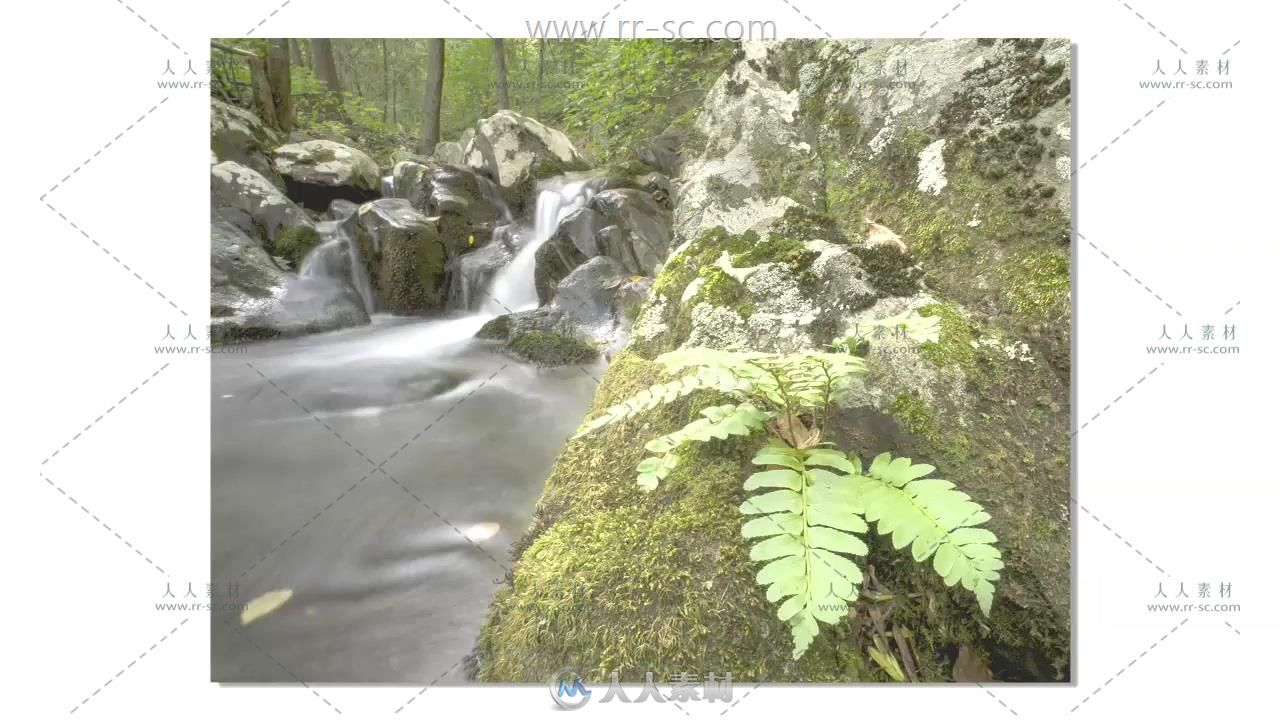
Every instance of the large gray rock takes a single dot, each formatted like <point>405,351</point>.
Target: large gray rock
<point>258,206</point>
<point>449,153</point>
<point>318,171</point>
<point>238,135</point>
<point>252,299</point>
<point>513,150</point>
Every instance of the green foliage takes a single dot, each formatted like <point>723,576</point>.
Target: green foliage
<point>812,500</point>
<point>630,90</point>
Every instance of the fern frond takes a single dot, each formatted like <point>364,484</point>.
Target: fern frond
<point>717,423</point>
<point>807,523</point>
<point>935,520</point>
<point>708,378</point>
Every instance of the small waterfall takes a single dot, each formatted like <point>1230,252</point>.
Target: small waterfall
<point>512,288</point>
<point>388,186</point>
<point>491,193</point>
<point>337,256</point>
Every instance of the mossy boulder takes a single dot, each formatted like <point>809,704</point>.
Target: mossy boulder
<point>549,348</point>
<point>778,257</point>
<point>403,255</point>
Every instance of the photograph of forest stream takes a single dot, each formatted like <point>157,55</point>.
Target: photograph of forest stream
<point>641,358</point>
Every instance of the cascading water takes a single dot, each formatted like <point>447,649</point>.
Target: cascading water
<point>513,289</point>
<point>338,257</point>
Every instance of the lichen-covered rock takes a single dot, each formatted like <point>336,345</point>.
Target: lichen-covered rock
<point>801,150</point>
<point>241,192</point>
<point>318,171</point>
<point>237,135</point>
<point>404,256</point>
<point>469,206</point>
<point>449,153</point>
<point>515,150</point>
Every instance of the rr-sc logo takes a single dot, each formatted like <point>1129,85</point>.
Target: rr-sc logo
<point>567,689</point>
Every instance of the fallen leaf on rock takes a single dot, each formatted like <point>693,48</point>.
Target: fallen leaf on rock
<point>970,667</point>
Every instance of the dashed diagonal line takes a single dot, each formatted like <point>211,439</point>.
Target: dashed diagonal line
<point>1118,399</point>
<point>116,258</point>
<point>1120,538</point>
<point>307,411</point>
<point>1233,47</point>
<point>993,697</point>
<point>1152,26</point>
<point>1131,276</point>
<point>102,149</point>
<point>105,413</point>
<point>375,467</point>
<point>744,697</point>
<point>945,15</point>
<point>1231,627</point>
<point>1126,131</point>
<point>307,524</point>
<point>442,416</point>
<point>809,19</point>
<point>282,6</point>
<point>1131,664</point>
<point>146,22</point>
<point>1233,307</point>
<point>612,9</point>
<point>105,526</point>
<point>467,18</point>
<point>280,665</point>
<point>128,667</point>
<point>426,687</point>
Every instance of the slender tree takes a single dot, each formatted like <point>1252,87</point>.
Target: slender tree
<point>326,69</point>
<point>278,80</point>
<point>295,52</point>
<point>386,93</point>
<point>537,93</point>
<point>432,96</point>
<point>500,73</point>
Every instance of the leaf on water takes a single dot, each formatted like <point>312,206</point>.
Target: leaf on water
<point>264,604</point>
<point>482,531</point>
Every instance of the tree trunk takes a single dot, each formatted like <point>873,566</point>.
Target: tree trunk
<point>537,93</point>
<point>432,96</point>
<point>500,73</point>
<point>281,86</point>
<point>295,52</point>
<point>386,90</point>
<point>326,68</point>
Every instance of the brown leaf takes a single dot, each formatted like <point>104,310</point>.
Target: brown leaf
<point>878,234</point>
<point>970,667</point>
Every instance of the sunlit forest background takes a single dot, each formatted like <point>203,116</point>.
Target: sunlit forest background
<point>375,92</point>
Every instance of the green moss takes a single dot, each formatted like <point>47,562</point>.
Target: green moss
<point>891,271</point>
<point>498,328</point>
<point>611,578</point>
<point>293,243</point>
<point>955,345</point>
<point>1037,283</point>
<point>549,349</point>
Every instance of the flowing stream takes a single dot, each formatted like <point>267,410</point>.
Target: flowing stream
<point>381,474</point>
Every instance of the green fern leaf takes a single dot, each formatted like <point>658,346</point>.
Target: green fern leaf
<point>804,530</point>
<point>935,520</point>
<point>709,378</point>
<point>717,423</point>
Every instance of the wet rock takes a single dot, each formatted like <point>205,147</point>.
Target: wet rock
<point>403,255</point>
<point>587,294</point>
<point>469,274</point>
<point>252,299</point>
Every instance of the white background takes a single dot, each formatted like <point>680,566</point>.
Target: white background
<point>1176,478</point>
